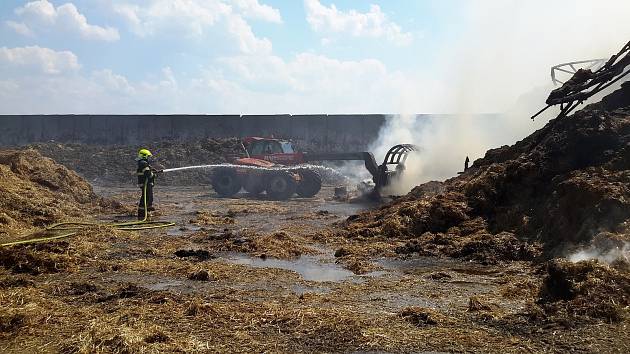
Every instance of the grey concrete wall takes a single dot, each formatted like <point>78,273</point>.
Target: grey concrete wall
<point>310,132</point>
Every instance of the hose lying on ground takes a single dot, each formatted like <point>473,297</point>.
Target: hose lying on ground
<point>67,229</point>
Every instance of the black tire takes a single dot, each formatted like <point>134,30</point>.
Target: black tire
<point>281,185</point>
<point>254,184</point>
<point>310,183</point>
<point>225,182</point>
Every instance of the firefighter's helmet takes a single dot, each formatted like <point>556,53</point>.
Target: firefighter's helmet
<point>144,154</point>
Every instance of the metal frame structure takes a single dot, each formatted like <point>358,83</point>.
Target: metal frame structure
<point>585,83</point>
<point>572,67</point>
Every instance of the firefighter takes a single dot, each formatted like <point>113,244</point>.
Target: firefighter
<point>146,179</point>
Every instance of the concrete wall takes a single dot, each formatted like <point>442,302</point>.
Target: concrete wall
<point>310,132</point>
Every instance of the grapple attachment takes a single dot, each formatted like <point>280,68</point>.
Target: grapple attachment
<point>397,156</point>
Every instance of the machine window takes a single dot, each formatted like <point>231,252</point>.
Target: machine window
<point>287,147</point>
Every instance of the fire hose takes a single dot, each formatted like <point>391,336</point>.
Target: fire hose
<point>67,229</point>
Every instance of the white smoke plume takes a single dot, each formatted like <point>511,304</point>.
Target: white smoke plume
<point>609,256</point>
<point>501,66</point>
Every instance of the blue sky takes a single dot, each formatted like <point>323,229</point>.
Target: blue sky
<point>285,56</point>
<point>425,20</point>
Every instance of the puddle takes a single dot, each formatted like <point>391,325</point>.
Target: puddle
<point>423,265</point>
<point>476,270</point>
<point>395,302</point>
<point>309,267</point>
<point>344,209</point>
<point>164,285</point>
<point>182,230</point>
<point>419,265</point>
<point>160,283</point>
<point>301,290</point>
<point>375,274</point>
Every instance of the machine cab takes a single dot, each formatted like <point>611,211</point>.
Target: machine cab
<point>274,150</point>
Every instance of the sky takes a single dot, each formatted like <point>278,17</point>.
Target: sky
<point>293,56</point>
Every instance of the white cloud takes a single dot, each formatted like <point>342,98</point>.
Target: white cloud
<point>309,83</point>
<point>20,28</point>
<point>253,9</point>
<point>42,15</point>
<point>245,84</point>
<point>169,78</point>
<point>196,18</point>
<point>102,91</point>
<point>39,60</point>
<point>247,40</point>
<point>192,16</point>
<point>372,24</point>
<point>112,81</point>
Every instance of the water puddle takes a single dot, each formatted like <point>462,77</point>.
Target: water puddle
<point>159,283</point>
<point>301,290</point>
<point>345,209</point>
<point>423,265</point>
<point>395,302</point>
<point>419,265</point>
<point>375,274</point>
<point>164,285</point>
<point>309,267</point>
<point>175,232</point>
<point>476,270</point>
<point>182,230</point>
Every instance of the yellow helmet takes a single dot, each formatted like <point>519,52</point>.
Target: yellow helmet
<point>144,153</point>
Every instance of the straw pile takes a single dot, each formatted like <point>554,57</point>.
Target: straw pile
<point>558,187</point>
<point>36,191</point>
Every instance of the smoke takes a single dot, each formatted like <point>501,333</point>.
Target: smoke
<point>605,247</point>
<point>604,255</point>
<point>444,141</point>
<point>499,64</point>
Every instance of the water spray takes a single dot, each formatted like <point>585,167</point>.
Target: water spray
<point>327,173</point>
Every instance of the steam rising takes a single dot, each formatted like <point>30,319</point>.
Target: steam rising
<point>609,256</point>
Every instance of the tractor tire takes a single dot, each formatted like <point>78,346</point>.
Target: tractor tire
<point>225,182</point>
<point>310,183</point>
<point>281,186</point>
<point>254,184</point>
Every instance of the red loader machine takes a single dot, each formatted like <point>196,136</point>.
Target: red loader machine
<point>275,167</point>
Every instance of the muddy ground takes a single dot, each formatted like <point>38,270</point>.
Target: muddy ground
<point>251,275</point>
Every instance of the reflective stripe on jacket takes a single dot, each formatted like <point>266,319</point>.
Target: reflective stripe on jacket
<point>144,172</point>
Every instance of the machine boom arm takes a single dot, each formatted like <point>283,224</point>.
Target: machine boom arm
<point>380,174</point>
<point>367,157</point>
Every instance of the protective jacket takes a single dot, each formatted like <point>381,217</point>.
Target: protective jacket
<point>145,172</point>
